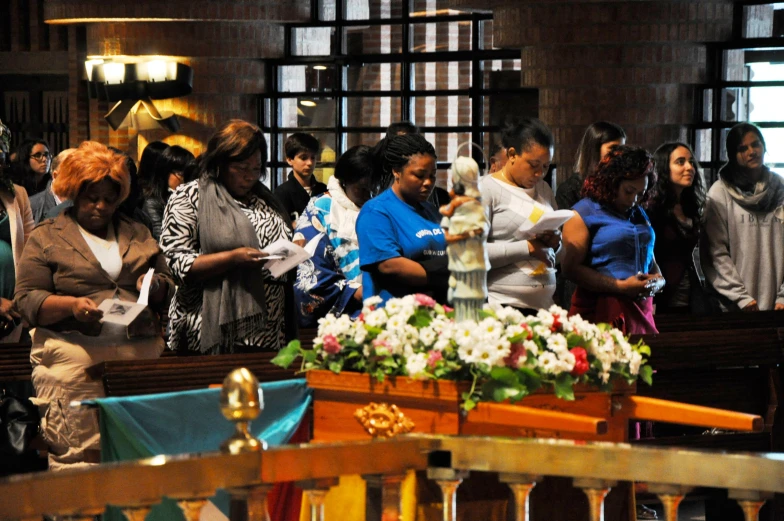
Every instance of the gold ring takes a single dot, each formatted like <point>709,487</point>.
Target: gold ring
<point>86,313</point>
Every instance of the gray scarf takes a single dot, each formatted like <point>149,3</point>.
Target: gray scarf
<point>234,304</point>
<point>764,196</point>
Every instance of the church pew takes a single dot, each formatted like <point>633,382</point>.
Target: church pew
<point>672,323</point>
<point>181,373</point>
<point>15,362</point>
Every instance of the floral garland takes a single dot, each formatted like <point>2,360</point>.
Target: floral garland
<point>506,355</point>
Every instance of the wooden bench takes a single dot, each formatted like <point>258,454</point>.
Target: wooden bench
<point>15,362</point>
<point>182,373</point>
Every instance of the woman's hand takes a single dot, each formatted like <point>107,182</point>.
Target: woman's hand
<point>7,311</point>
<point>85,310</point>
<point>246,257</point>
<point>753,306</point>
<point>158,287</point>
<point>550,239</point>
<point>635,286</point>
<point>539,250</point>
<point>655,283</point>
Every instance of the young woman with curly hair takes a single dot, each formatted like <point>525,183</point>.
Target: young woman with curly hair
<point>676,217</point>
<point>609,244</point>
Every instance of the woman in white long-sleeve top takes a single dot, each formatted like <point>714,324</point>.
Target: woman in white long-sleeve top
<point>744,227</point>
<point>522,272</point>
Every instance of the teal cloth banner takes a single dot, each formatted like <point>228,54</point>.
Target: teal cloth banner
<point>136,427</point>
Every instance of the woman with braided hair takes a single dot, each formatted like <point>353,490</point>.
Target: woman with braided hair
<point>402,249</point>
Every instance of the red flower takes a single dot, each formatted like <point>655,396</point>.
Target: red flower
<point>331,344</point>
<point>581,365</point>
<point>556,323</point>
<point>528,330</point>
<point>361,317</point>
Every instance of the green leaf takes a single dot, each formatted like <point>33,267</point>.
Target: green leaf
<point>574,340</point>
<point>486,313</point>
<point>644,349</point>
<point>504,375</point>
<point>468,405</point>
<point>287,355</point>
<point>389,362</point>
<point>336,365</point>
<point>421,318</point>
<point>500,391</point>
<point>309,355</point>
<point>529,378</point>
<point>563,387</point>
<point>646,374</point>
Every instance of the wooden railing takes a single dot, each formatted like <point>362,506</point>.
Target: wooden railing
<point>593,467</point>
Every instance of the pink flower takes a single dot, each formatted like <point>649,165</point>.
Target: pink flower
<point>331,344</point>
<point>517,352</point>
<point>424,300</point>
<point>581,365</point>
<point>433,358</point>
<point>447,309</point>
<point>361,317</point>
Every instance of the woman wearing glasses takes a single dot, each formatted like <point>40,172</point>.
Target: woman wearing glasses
<point>32,168</point>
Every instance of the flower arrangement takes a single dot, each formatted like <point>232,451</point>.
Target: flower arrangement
<point>506,355</point>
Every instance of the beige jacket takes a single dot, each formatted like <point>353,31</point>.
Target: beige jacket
<point>58,261</point>
<point>20,217</point>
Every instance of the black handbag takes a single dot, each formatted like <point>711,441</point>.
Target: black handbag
<point>19,425</point>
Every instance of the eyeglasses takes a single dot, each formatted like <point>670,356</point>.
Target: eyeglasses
<point>41,156</point>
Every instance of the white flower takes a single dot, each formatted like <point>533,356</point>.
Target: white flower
<point>427,336</point>
<point>376,318</point>
<point>634,363</point>
<point>441,344</point>
<point>360,335</point>
<point>557,344</point>
<point>532,347</point>
<point>463,334</point>
<point>370,302</point>
<point>416,366</point>
<point>547,362</point>
<point>542,331</point>
<point>491,328</point>
<point>509,315</point>
<point>393,306</point>
<point>468,353</point>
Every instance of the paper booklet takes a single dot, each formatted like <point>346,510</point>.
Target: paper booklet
<point>284,255</point>
<point>123,312</point>
<point>548,222</point>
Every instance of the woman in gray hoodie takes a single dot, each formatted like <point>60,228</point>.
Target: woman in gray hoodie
<point>744,227</point>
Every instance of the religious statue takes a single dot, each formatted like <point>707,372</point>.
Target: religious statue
<point>466,227</point>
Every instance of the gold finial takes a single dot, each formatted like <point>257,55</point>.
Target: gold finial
<point>241,401</point>
<point>383,421</point>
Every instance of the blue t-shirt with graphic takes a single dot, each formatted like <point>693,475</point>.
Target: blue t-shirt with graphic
<point>388,228</point>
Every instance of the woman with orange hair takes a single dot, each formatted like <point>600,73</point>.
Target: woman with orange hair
<point>70,265</point>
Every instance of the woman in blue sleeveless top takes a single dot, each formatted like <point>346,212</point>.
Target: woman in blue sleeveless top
<point>609,244</point>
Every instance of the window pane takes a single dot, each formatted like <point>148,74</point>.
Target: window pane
<point>370,139</point>
<point>486,34</point>
<point>763,21</point>
<point>734,104</point>
<point>373,76</point>
<point>500,74</point>
<point>304,78</point>
<point>364,9</point>
<point>312,41</point>
<point>735,65</point>
<point>702,145</point>
<point>446,144</point>
<point>424,8</point>
<point>442,111</point>
<point>306,112</point>
<point>441,75</point>
<point>773,153</point>
<point>766,71</point>
<point>765,104</point>
<point>442,36</point>
<point>326,10</point>
<point>372,111</point>
<point>707,105</point>
<point>374,39</point>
